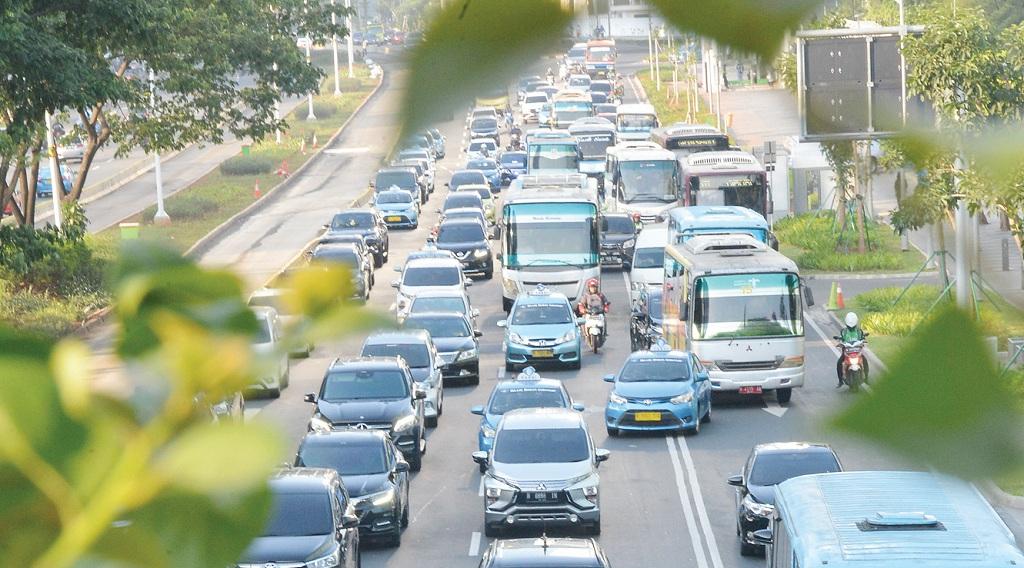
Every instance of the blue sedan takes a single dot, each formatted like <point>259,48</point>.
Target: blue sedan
<point>659,389</point>
<point>541,328</point>
<point>398,208</point>
<point>494,172</point>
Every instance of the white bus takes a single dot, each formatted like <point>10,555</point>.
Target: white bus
<point>642,177</point>
<point>635,121</point>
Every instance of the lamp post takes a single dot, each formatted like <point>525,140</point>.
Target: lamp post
<point>903,61</point>
<point>334,48</point>
<point>55,192</point>
<point>161,217</point>
<point>277,109</point>
<point>309,60</point>
<point>348,24</point>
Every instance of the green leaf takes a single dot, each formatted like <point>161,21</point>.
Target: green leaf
<point>472,47</point>
<point>752,26</point>
<point>943,404</point>
<point>222,457</point>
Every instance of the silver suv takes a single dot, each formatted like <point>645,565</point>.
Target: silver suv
<point>542,472</point>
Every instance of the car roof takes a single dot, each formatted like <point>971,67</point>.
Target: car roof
<point>461,221</point>
<point>363,210</point>
<point>464,210</point>
<point>406,336</point>
<point>336,248</point>
<point>367,363</point>
<point>302,479</point>
<point>442,293</point>
<point>433,262</point>
<point>547,298</point>
<point>655,353</point>
<point>791,447</point>
<point>432,315</point>
<point>397,169</point>
<point>488,140</point>
<point>546,552</point>
<point>539,382</point>
<point>542,418</point>
<point>347,436</point>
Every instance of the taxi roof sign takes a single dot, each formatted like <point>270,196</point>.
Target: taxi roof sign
<point>540,290</point>
<point>528,374</point>
<point>660,347</point>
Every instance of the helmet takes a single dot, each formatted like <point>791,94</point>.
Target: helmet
<point>636,216</point>
<point>851,319</point>
<point>592,282</point>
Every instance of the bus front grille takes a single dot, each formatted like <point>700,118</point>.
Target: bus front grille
<point>748,365</point>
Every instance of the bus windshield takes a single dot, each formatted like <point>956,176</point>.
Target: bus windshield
<point>595,146</point>
<point>648,180</point>
<point>744,190</point>
<point>553,157</point>
<point>747,305</point>
<point>685,145</point>
<point>547,234</point>
<point>635,122</point>
<point>602,54</point>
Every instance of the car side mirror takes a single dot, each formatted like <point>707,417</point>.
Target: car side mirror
<point>325,226</point>
<point>502,323</point>
<point>735,480</point>
<point>396,284</point>
<point>601,455</point>
<point>480,457</point>
<point>309,397</point>
<point>477,333</point>
<point>763,537</point>
<point>397,268</point>
<point>808,296</point>
<point>349,521</point>
<point>474,312</point>
<point>438,362</point>
<point>401,467</point>
<point>418,393</point>
<point>469,282</point>
<point>609,378</point>
<point>478,410</point>
<point>578,406</point>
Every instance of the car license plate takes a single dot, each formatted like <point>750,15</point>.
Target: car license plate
<point>750,390</point>
<point>393,218</point>
<point>543,497</point>
<point>648,417</point>
<point>544,353</point>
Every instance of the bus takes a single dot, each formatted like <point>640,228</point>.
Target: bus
<point>594,136</point>
<point>600,58</point>
<point>559,155</point>
<point>685,139</point>
<point>566,182</point>
<point>885,519</point>
<point>550,237</point>
<point>644,178</point>
<point>568,106</point>
<point>685,223</point>
<point>726,178</point>
<point>635,121</point>
<point>497,98</point>
<point>737,304</point>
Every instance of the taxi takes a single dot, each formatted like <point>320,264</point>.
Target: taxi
<point>527,390</point>
<point>660,389</point>
<point>541,328</point>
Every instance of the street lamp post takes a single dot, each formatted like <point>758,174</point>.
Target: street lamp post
<point>277,109</point>
<point>903,61</point>
<point>348,24</point>
<point>334,48</point>
<point>55,192</point>
<point>161,217</point>
<point>309,59</point>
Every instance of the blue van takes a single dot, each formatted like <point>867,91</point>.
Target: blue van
<point>687,222</point>
<point>885,519</point>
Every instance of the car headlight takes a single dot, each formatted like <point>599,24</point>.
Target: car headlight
<point>379,500</point>
<point>487,431</point>
<point>629,243</point>
<point>616,399</point>
<point>516,338</point>
<point>481,253</point>
<point>591,493</point>
<point>404,423</point>
<point>467,354</point>
<point>567,337</point>
<point>684,398</point>
<point>319,424</point>
<point>709,364</point>
<point>756,508</point>
<point>498,497</point>
<point>330,561</point>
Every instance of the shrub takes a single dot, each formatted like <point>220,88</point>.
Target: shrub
<point>322,109</point>
<point>189,206</point>
<point>250,165</point>
<point>349,84</point>
<point>816,234</point>
<point>899,322</point>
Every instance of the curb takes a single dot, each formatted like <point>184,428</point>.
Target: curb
<point>863,275</point>
<point>999,497</point>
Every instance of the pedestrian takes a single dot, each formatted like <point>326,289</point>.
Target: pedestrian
<point>725,80</point>
<point>739,71</point>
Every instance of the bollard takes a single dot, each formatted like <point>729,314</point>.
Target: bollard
<point>1006,254</point>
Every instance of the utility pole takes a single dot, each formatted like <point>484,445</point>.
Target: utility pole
<point>657,64</point>
<point>963,278</point>
<point>348,42</point>
<point>161,217</point>
<point>56,192</point>
<point>309,60</point>
<point>903,62</point>
<point>334,48</point>
<point>650,44</point>
<point>277,109</point>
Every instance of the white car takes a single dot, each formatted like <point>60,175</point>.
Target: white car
<point>532,103</point>
<point>648,259</point>
<point>482,148</point>
<point>273,298</point>
<point>271,356</point>
<point>426,274</point>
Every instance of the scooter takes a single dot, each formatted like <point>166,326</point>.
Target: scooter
<point>594,328</point>
<point>855,366</point>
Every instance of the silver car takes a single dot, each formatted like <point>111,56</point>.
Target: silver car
<point>268,347</point>
<point>427,274</point>
<point>274,298</point>
<point>542,472</point>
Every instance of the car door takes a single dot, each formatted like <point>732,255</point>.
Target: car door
<point>343,536</point>
<point>399,478</point>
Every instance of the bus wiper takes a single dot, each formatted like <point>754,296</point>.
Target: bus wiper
<point>554,261</point>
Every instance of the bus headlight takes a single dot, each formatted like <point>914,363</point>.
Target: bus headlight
<point>792,362</point>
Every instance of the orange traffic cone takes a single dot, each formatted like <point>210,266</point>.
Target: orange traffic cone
<point>256,193</point>
<point>840,304</point>
<point>302,147</point>
<point>314,140</point>
<point>282,170</point>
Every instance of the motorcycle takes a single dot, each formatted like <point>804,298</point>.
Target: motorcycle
<point>855,366</point>
<point>515,141</point>
<point>594,328</point>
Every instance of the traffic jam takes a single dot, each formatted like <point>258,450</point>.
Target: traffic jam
<point>647,393</point>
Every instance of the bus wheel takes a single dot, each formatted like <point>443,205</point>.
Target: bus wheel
<point>783,395</point>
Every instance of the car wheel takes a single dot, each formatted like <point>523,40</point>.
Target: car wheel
<point>416,225</point>
<point>440,402</point>
<point>396,538</point>
<point>491,530</point>
<point>378,260</point>
<point>612,431</point>
<point>693,431</point>
<point>578,363</point>
<point>707,415</point>
<point>431,421</point>
<point>509,367</point>
<point>415,458</point>
<point>475,379</point>
<point>783,395</point>
<point>274,392</point>
<point>286,379</point>
<point>506,304</point>
<point>489,274</point>
<point>747,549</point>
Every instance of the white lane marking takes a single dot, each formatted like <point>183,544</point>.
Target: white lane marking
<point>684,500</point>
<point>501,373</point>
<point>392,307</point>
<point>480,492</point>
<point>772,406</point>
<point>474,544</point>
<point>629,286</point>
<point>698,499</point>
<point>342,151</point>
<point>835,349</point>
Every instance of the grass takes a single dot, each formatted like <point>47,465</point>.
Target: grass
<point>812,241</point>
<point>669,111</point>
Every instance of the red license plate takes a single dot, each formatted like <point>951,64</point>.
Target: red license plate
<point>750,390</point>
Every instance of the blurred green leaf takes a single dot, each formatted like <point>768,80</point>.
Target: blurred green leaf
<point>222,458</point>
<point>322,293</point>
<point>752,26</point>
<point>943,404</point>
<point>473,47</point>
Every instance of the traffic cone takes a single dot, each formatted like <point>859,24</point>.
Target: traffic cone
<point>314,140</point>
<point>840,304</point>
<point>256,193</point>
<point>302,147</point>
<point>832,296</point>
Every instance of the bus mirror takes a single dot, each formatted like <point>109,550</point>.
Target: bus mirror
<point>808,296</point>
<point>684,311</point>
<point>763,537</point>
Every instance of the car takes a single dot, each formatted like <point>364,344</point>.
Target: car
<point>401,177</point>
<point>353,239</point>
<point>347,255</point>
<point>274,298</point>
<point>618,239</point>
<point>71,149</point>
<point>544,114</point>
<point>439,142</point>
<point>523,85</point>
<point>424,141</point>
<point>607,111</point>
<point>648,260</point>
<point>465,177</point>
<point>372,393</point>
<point>429,250</point>
<point>470,213</point>
<point>581,82</point>
<point>527,390</point>
<point>531,104</point>
<point>456,340</point>
<point>453,301</point>
<point>485,127</point>
<point>482,112</point>
<point>487,199</point>
<point>420,354</point>
<point>514,161</point>
<point>551,90</point>
<point>464,199</point>
<point>374,472</point>
<point>398,208</point>
<point>602,86</point>
<point>496,176</point>
<point>417,154</point>
<point>541,328</point>
<point>424,171</point>
<point>366,223</point>
<point>312,522</point>
<point>467,239</point>
<point>645,320</point>
<point>544,552</point>
<point>482,148</point>
<point>767,466</point>
<point>542,472</point>
<point>657,390</point>
<point>267,345</point>
<point>428,274</point>
<point>44,182</point>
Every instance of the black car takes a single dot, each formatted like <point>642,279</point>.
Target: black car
<point>467,177</point>
<point>402,177</point>
<point>458,200</point>
<point>618,239</point>
<point>544,552</point>
<point>645,322</point>
<point>374,473</point>
<point>485,127</point>
<point>418,351</point>
<point>312,522</point>
<point>374,393</point>
<point>347,255</point>
<point>456,340</point>
<point>366,223</point>
<point>768,466</point>
<point>467,239</point>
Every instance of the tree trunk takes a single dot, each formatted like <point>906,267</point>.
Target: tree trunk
<point>93,144</point>
<point>28,198</point>
<point>862,169</point>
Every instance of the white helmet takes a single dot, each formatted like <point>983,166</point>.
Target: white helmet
<point>851,319</point>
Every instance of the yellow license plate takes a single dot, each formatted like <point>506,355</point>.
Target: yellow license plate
<point>393,218</point>
<point>648,417</point>
<point>543,353</point>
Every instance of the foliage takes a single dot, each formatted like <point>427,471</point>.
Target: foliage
<point>321,109</point>
<point>250,165</point>
<point>821,246</point>
<point>668,110</point>
<point>785,65</point>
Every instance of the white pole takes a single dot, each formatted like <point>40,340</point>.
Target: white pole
<point>334,48</point>
<point>348,24</point>
<point>277,109</point>
<point>309,59</point>
<point>650,46</point>
<point>963,283</point>
<point>657,64</point>
<point>56,192</point>
<point>161,217</point>
<point>903,62</point>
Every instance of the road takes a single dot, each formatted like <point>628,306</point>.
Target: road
<point>665,501</point>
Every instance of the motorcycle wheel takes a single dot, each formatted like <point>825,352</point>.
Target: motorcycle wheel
<point>595,343</point>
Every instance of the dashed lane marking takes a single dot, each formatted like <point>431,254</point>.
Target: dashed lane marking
<point>474,544</point>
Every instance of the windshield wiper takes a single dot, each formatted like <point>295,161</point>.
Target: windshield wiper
<point>551,261</point>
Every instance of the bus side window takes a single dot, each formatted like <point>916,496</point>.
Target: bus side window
<point>684,295</point>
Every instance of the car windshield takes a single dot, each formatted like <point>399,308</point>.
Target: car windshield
<point>478,145</point>
<point>422,305</point>
<point>483,165</point>
<point>484,124</point>
<point>471,214</point>
<point>541,314</point>
<point>541,445</point>
<point>655,370</point>
<point>346,459</point>
<point>432,276</point>
<point>352,221</point>
<point>516,161</point>
<point>401,179</point>
<point>457,200</point>
<point>263,334</point>
<point>772,468</point>
<point>653,257</point>
<point>506,400</point>
<point>540,98</point>
<point>343,255</point>
<point>747,305</point>
<point>300,514</point>
<point>464,178</point>
<point>460,233</point>
<point>483,191</point>
<point>373,384</point>
<point>635,122</point>
<point>594,146</point>
<point>415,354</point>
<point>620,225</point>
<point>440,327</point>
<point>394,197</point>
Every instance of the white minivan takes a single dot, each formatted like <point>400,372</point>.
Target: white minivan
<point>649,259</point>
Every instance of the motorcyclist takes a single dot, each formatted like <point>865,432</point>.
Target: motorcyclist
<point>851,333</point>
<point>593,298</point>
<point>551,76</point>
